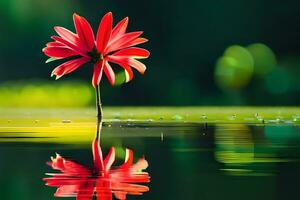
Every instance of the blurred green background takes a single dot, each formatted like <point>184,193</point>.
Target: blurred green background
<point>202,53</point>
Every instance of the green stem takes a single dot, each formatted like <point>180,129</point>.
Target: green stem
<point>98,129</point>
<point>99,104</point>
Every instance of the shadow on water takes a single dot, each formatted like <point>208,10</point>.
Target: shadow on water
<point>102,179</point>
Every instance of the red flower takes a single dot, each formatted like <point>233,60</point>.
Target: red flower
<point>111,45</point>
<point>82,182</point>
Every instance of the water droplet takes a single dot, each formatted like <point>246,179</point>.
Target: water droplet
<point>279,119</point>
<point>260,119</point>
<point>177,117</point>
<point>296,118</point>
<point>149,120</point>
<point>204,117</point>
<point>233,117</point>
<point>109,125</point>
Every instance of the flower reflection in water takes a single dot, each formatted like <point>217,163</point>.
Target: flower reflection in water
<point>102,180</point>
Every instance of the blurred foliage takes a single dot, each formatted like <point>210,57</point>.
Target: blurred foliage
<point>234,70</point>
<point>264,58</point>
<point>45,94</point>
<point>185,39</point>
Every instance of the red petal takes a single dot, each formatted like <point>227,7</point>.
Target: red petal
<point>141,164</point>
<point>134,42</point>
<point>128,160</point>
<point>103,189</point>
<point>128,61</point>
<point>128,70</point>
<point>55,44</point>
<point>66,190</point>
<point>84,31</point>
<point>126,38</point>
<point>98,69</point>
<point>104,31</point>
<point>109,160</point>
<point>109,73</point>
<point>70,37</point>
<point>119,29</point>
<point>70,45</point>
<point>128,73</point>
<point>133,52</point>
<point>120,194</point>
<point>59,52</point>
<point>68,167</point>
<point>68,67</point>
<point>97,155</point>
<point>133,189</point>
<point>137,65</point>
<point>86,190</point>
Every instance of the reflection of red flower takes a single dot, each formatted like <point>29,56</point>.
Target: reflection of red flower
<point>111,45</point>
<point>102,180</point>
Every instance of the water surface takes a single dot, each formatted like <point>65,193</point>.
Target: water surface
<point>186,160</point>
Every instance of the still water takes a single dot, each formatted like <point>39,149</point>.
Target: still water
<point>136,160</point>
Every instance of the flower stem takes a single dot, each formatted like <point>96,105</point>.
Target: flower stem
<point>98,129</point>
<point>99,104</point>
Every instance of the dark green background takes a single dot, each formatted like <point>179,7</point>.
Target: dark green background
<point>186,39</point>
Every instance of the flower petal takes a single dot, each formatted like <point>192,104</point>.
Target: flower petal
<point>137,65</point>
<point>119,29</point>
<point>128,160</point>
<point>124,39</point>
<point>68,167</point>
<point>109,73</point>
<point>128,70</point>
<point>140,165</point>
<point>97,155</point>
<point>128,73</point>
<point>104,31</point>
<point>103,190</point>
<point>70,45</point>
<point>86,190</point>
<point>109,159</point>
<point>55,44</point>
<point>120,194</point>
<point>66,190</point>
<point>128,61</point>
<point>68,67</point>
<point>84,31</point>
<point>137,41</point>
<point>59,52</point>
<point>98,69</point>
<point>133,52</point>
<point>70,37</point>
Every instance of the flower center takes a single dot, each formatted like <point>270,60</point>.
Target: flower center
<point>95,55</point>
